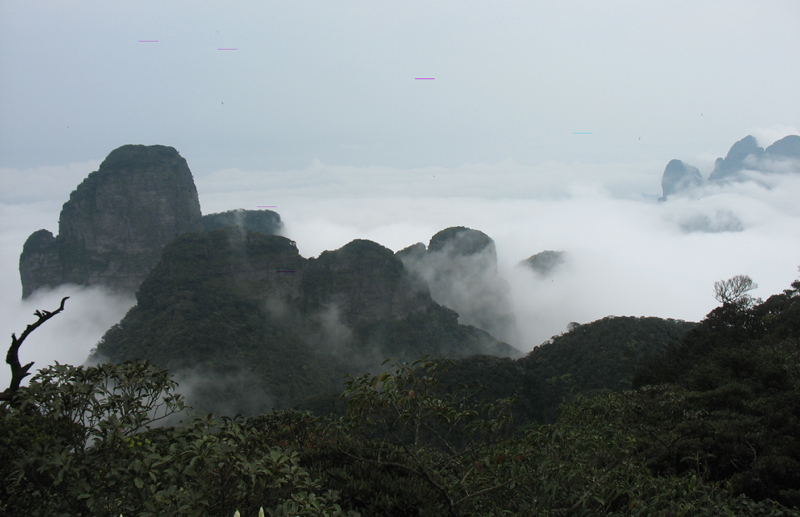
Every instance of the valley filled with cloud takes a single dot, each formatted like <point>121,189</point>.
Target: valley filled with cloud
<point>627,253</point>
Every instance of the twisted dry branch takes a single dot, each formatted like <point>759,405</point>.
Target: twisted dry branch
<point>19,372</point>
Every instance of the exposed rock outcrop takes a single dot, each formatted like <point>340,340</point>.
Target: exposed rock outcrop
<point>679,177</point>
<point>116,223</point>
<point>40,263</point>
<point>460,268</point>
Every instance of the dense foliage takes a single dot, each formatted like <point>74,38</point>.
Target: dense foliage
<point>710,430</point>
<point>732,403</point>
<point>404,448</point>
<point>102,457</point>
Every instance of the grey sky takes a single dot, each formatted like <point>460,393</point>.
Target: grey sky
<point>335,80</point>
<point>318,113</point>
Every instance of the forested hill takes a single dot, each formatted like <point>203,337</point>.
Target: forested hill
<point>601,355</point>
<point>727,396</point>
<point>247,324</point>
<point>711,427</point>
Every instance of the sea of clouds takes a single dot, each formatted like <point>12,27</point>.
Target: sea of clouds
<point>628,253</point>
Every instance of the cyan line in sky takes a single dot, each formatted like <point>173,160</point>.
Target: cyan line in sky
<point>424,78</point>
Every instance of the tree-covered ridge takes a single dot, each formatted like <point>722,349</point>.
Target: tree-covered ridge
<point>731,390</point>
<point>601,355</point>
<point>264,221</point>
<point>234,304</point>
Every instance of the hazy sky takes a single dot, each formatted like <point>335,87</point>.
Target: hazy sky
<point>336,80</point>
<point>318,112</point>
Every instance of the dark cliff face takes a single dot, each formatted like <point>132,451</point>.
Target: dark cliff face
<point>115,224</point>
<point>40,262</point>
<point>460,268</point>
<point>679,177</point>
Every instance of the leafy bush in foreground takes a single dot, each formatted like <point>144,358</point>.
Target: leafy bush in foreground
<point>104,459</point>
<point>404,448</point>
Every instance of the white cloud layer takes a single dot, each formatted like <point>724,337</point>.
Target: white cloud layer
<point>628,254</point>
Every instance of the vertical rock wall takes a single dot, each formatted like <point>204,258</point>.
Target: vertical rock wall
<point>115,224</point>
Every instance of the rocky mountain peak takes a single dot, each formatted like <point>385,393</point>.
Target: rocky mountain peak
<point>115,224</point>
<point>460,268</point>
<point>735,160</point>
<point>261,221</point>
<point>780,157</point>
<point>365,280</point>
<point>545,263</point>
<point>459,240</point>
<point>678,177</point>
<point>786,147</point>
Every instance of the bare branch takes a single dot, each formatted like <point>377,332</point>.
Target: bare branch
<point>19,372</point>
<point>734,290</point>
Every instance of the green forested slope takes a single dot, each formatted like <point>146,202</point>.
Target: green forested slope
<point>727,397</point>
<point>259,326</point>
<point>710,430</point>
<point>601,355</point>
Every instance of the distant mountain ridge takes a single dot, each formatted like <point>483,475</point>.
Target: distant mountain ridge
<point>743,155</point>
<point>233,307</point>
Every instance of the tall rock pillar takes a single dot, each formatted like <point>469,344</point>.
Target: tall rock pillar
<point>115,224</point>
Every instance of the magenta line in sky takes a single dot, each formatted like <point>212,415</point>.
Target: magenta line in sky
<point>227,49</point>
<point>424,78</point>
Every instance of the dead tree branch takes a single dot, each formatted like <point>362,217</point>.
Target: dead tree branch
<point>19,372</point>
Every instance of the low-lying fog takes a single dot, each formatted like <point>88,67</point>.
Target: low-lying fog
<point>628,254</point>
